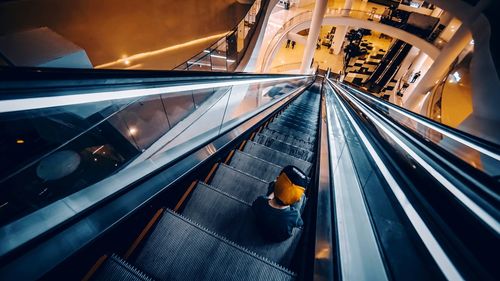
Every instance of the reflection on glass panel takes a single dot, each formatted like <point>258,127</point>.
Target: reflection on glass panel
<point>84,161</point>
<point>28,135</point>
<point>241,37</point>
<point>245,99</point>
<point>232,54</point>
<point>200,96</point>
<point>442,137</point>
<point>146,121</point>
<point>52,153</point>
<point>178,106</point>
<point>200,63</point>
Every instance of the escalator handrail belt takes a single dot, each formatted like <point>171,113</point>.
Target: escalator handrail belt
<point>461,137</point>
<point>95,95</point>
<point>437,252</point>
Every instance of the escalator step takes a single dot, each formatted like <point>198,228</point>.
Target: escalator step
<point>301,131</point>
<point>307,111</point>
<point>180,249</point>
<point>289,136</point>
<point>116,269</point>
<point>255,166</point>
<point>295,123</point>
<point>284,147</point>
<point>234,220</point>
<point>276,157</point>
<point>238,183</point>
<point>296,115</point>
<point>288,139</point>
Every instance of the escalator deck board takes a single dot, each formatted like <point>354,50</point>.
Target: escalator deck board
<point>180,249</point>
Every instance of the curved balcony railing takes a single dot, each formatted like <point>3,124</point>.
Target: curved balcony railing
<point>227,52</point>
<point>358,14</point>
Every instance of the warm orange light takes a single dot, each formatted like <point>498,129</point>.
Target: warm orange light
<point>160,51</point>
<point>19,141</point>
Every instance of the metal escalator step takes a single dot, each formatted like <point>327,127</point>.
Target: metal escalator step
<point>287,133</point>
<point>302,111</point>
<point>298,116</point>
<point>234,219</point>
<point>180,249</point>
<point>276,157</point>
<point>295,122</point>
<point>239,184</point>
<point>116,269</point>
<point>297,129</point>
<point>255,166</point>
<point>284,147</point>
<point>288,139</point>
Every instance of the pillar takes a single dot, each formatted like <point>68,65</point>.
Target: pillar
<point>312,38</point>
<point>442,63</point>
<point>340,32</point>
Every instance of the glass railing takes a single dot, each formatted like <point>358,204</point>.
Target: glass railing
<point>54,146</point>
<point>480,154</point>
<point>226,53</point>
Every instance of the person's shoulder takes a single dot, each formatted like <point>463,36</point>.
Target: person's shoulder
<point>260,200</point>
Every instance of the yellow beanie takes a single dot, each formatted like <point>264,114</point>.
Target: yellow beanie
<point>287,192</point>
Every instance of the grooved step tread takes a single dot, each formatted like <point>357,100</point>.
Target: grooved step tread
<point>180,249</point>
<point>284,147</point>
<point>296,123</point>
<point>255,166</point>
<point>234,219</point>
<point>238,183</point>
<point>276,157</point>
<point>301,131</point>
<point>309,124</point>
<point>290,136</point>
<point>117,269</point>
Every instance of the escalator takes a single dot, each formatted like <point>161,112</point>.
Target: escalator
<point>388,66</point>
<point>391,195</point>
<point>213,233</point>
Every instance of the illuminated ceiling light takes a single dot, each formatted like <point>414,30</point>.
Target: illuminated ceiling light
<point>127,62</point>
<point>161,51</point>
<point>457,77</point>
<point>20,141</point>
<point>132,130</point>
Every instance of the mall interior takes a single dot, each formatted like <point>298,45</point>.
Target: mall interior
<point>136,138</point>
